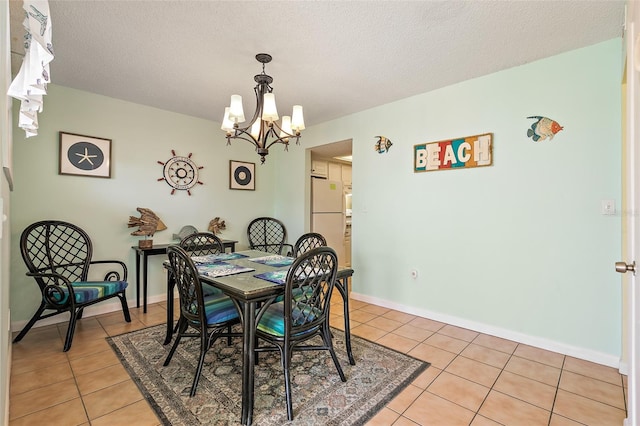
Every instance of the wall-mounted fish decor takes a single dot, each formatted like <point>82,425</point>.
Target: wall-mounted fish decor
<point>382,145</point>
<point>543,128</point>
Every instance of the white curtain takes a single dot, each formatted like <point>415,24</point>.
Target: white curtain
<point>30,85</point>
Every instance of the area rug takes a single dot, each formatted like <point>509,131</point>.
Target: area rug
<point>319,397</point>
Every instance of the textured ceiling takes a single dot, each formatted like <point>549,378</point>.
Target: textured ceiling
<point>333,57</point>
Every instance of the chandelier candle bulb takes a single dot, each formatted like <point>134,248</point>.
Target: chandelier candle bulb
<point>297,119</point>
<point>286,127</point>
<point>227,124</point>
<point>270,112</point>
<point>236,112</point>
<point>255,128</point>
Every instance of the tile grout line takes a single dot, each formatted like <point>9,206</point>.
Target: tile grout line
<point>493,384</point>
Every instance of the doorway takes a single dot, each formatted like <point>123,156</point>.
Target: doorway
<point>330,192</point>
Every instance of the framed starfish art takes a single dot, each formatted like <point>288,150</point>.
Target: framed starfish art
<point>84,155</point>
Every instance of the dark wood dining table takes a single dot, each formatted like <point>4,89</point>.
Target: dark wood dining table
<point>249,291</point>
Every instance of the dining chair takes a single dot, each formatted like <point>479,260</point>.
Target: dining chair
<point>307,242</point>
<point>58,255</point>
<point>288,325</point>
<point>268,234</point>
<point>202,244</point>
<point>208,317</point>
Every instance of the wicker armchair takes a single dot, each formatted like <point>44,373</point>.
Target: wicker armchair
<point>58,256</point>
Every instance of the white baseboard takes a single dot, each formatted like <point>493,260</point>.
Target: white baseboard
<point>550,345</point>
<point>624,368</point>
<point>91,311</point>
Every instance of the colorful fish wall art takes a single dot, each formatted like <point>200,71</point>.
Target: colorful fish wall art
<point>382,145</point>
<point>543,128</point>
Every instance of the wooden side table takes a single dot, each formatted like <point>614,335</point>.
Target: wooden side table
<point>155,250</point>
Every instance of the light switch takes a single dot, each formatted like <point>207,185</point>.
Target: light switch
<point>608,207</point>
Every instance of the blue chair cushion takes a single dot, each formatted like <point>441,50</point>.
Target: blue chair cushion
<point>87,291</point>
<point>219,308</point>
<point>297,293</point>
<point>208,290</point>
<point>272,321</point>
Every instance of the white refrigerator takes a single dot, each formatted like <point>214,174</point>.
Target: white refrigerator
<point>328,214</point>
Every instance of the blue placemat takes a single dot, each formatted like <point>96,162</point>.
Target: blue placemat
<point>276,260</point>
<point>213,258</point>
<point>221,269</point>
<point>277,277</point>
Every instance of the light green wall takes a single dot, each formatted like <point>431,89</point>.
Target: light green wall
<point>141,136</point>
<point>521,246</point>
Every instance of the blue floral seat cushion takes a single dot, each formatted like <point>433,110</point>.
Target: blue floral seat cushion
<point>272,321</point>
<point>87,291</point>
<point>219,308</point>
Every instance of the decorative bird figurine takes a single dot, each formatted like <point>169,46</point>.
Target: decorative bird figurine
<point>543,128</point>
<point>382,145</point>
<point>148,222</point>
<point>217,225</point>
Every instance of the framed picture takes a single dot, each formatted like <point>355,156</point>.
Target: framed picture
<point>82,155</point>
<point>242,175</point>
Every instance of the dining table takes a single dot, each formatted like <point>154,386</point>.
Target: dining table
<point>158,249</point>
<point>249,291</point>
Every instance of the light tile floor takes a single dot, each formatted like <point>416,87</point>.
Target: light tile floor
<point>475,379</point>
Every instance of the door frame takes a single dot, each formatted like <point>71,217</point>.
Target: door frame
<point>630,364</point>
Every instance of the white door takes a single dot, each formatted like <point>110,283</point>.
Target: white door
<point>631,217</point>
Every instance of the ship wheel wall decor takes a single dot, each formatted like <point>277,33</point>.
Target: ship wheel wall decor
<point>180,173</point>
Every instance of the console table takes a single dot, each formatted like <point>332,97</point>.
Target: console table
<point>155,250</point>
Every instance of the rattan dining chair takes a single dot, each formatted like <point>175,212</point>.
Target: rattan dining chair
<point>201,244</point>
<point>209,316</point>
<point>58,256</point>
<point>288,325</point>
<point>307,242</point>
<point>268,234</point>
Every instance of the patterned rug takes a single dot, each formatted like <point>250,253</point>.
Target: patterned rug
<point>319,397</point>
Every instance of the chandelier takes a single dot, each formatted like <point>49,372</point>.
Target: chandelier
<point>263,130</point>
